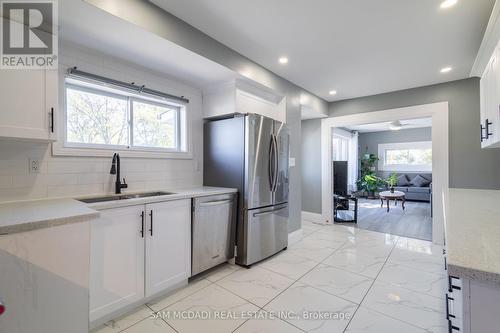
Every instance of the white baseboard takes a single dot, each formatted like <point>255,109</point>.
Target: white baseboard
<point>313,217</point>
<point>294,236</point>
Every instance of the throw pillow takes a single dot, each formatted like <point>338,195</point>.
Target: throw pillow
<point>420,181</point>
<point>402,181</point>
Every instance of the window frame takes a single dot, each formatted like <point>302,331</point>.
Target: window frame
<point>382,149</point>
<point>183,147</point>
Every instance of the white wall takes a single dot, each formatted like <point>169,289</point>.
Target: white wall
<point>79,176</point>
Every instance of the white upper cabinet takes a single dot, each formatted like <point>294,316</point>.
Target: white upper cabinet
<point>28,104</point>
<point>490,103</point>
<point>168,245</point>
<point>243,97</point>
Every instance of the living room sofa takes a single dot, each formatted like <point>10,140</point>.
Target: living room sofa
<point>417,193</point>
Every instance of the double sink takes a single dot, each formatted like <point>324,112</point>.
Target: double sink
<point>125,197</point>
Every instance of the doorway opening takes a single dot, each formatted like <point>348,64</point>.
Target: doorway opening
<point>382,177</point>
<point>411,160</point>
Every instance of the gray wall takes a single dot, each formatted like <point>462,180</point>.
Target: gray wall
<point>152,18</point>
<point>368,142</point>
<point>311,172</point>
<point>470,166</point>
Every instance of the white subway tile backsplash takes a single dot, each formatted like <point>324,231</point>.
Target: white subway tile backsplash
<point>5,182</point>
<point>74,190</point>
<point>82,166</point>
<point>13,167</point>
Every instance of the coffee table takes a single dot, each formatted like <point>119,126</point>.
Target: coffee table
<point>396,195</point>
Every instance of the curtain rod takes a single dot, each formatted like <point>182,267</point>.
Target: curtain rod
<point>130,86</point>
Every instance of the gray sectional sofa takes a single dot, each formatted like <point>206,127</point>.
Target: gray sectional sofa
<point>412,192</point>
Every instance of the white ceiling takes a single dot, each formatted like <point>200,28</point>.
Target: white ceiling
<point>357,47</point>
<point>384,126</point>
<point>89,26</point>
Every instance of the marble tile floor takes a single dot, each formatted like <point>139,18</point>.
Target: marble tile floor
<point>334,279</point>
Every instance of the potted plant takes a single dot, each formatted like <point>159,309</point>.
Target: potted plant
<point>392,180</point>
<point>371,184</point>
<point>368,181</point>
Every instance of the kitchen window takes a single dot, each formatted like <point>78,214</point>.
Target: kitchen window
<point>405,156</point>
<point>100,117</point>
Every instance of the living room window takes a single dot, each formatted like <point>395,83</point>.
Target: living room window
<point>405,156</point>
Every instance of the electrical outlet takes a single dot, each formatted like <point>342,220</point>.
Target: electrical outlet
<point>35,166</point>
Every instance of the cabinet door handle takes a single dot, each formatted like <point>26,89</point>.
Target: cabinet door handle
<point>151,228</point>
<point>52,120</point>
<point>482,136</point>
<point>142,224</point>
<point>487,128</point>
<point>448,314</point>
<point>450,284</point>
<point>452,328</point>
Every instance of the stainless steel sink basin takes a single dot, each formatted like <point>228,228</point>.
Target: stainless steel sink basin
<point>125,197</point>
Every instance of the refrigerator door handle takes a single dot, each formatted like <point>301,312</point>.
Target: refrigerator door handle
<point>271,211</point>
<point>276,161</point>
<point>271,163</point>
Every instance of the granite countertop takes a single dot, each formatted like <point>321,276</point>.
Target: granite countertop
<point>473,235</point>
<point>20,216</point>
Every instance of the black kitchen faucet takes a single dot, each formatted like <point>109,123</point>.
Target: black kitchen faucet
<point>115,170</point>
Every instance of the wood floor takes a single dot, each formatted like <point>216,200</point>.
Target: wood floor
<point>414,222</point>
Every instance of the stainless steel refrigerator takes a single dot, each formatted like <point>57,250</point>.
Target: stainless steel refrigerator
<point>251,153</point>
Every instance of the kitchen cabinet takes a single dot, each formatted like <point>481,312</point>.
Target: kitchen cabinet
<point>168,245</point>
<point>29,103</point>
<point>117,260</point>
<point>490,102</point>
<point>242,97</point>
<point>472,306</point>
<point>44,279</point>
<point>137,252</point>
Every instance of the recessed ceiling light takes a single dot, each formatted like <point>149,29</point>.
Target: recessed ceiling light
<point>446,70</point>
<point>448,3</point>
<point>283,60</point>
<point>333,92</point>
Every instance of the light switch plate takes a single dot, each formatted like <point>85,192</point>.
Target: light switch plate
<point>291,161</point>
<point>35,166</point>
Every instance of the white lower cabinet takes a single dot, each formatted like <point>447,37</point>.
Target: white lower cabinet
<point>117,261</point>
<point>137,252</point>
<point>472,306</point>
<point>168,245</point>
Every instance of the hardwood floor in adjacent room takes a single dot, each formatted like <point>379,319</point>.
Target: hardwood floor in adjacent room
<point>414,222</point>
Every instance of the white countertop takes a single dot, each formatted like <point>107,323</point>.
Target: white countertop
<point>177,194</point>
<point>23,216</point>
<point>29,215</point>
<point>473,234</point>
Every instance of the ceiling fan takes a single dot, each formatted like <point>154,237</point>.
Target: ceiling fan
<point>396,125</point>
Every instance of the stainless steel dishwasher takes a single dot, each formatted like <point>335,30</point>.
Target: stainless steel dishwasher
<point>213,231</point>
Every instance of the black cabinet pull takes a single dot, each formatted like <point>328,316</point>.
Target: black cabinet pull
<point>452,328</point>
<point>448,315</point>
<point>482,136</point>
<point>142,224</point>
<point>487,128</point>
<point>52,120</point>
<point>151,228</point>
<point>450,284</point>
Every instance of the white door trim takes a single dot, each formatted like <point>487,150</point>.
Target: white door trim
<point>440,179</point>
